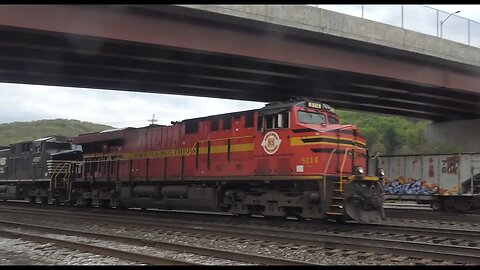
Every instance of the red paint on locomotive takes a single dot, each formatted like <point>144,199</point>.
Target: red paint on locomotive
<point>300,148</point>
<point>294,153</point>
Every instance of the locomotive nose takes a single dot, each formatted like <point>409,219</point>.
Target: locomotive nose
<point>364,201</point>
<point>356,210</point>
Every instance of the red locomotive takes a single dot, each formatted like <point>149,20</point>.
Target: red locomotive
<point>286,159</point>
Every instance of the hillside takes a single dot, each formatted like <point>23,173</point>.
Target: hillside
<point>24,131</point>
<point>393,135</point>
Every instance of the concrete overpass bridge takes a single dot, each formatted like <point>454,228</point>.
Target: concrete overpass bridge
<point>258,53</point>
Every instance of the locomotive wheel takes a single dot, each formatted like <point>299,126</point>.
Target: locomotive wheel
<point>275,218</point>
<point>43,200</point>
<point>104,204</point>
<point>31,199</point>
<point>340,220</point>
<point>295,214</point>
<point>82,202</point>
<point>87,203</point>
<point>54,201</point>
<point>242,215</point>
<point>121,206</point>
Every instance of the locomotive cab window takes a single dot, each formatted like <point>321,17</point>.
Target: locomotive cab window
<point>260,123</point>
<point>279,120</point>
<point>38,148</point>
<point>57,146</point>
<point>26,147</point>
<point>311,118</point>
<point>332,120</point>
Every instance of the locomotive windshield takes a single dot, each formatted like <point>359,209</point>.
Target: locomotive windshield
<point>77,147</point>
<point>57,146</point>
<point>311,118</point>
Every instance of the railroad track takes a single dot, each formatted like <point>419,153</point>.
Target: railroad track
<point>147,259</point>
<point>429,215</point>
<point>337,240</point>
<point>314,227</point>
<point>416,214</point>
<point>125,255</point>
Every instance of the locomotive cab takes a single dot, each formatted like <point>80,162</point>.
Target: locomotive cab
<point>309,135</point>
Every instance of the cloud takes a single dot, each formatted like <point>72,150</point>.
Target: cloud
<point>21,102</point>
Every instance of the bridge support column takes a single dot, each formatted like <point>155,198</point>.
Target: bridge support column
<point>464,134</point>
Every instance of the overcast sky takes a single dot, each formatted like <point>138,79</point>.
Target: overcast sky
<point>21,102</point>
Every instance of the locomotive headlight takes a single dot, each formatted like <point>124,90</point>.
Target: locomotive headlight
<point>380,173</point>
<point>358,170</point>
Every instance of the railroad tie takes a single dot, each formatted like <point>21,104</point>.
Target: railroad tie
<point>399,259</point>
<point>365,255</point>
<point>456,242</point>
<point>424,261</point>
<point>349,253</point>
<point>414,237</point>
<point>386,256</point>
<point>332,251</point>
<point>439,240</point>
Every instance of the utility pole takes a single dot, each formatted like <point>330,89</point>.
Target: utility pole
<point>153,120</point>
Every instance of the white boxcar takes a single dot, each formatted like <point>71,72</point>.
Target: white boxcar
<point>448,181</point>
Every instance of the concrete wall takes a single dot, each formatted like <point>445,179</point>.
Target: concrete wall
<point>346,26</point>
<point>463,134</point>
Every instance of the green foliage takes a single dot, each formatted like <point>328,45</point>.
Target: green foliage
<point>391,141</point>
<point>26,131</point>
<point>439,148</point>
<point>393,135</point>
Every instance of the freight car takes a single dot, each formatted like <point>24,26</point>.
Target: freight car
<point>286,159</point>
<point>449,182</point>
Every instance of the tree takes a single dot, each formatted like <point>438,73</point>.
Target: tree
<point>391,141</point>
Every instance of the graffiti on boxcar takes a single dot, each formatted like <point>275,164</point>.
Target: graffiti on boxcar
<point>410,186</point>
<point>450,164</point>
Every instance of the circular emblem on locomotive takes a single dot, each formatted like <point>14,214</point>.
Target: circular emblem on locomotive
<point>271,142</point>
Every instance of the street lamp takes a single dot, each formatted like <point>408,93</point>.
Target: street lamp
<point>442,22</point>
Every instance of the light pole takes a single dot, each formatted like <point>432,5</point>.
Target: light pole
<point>442,22</point>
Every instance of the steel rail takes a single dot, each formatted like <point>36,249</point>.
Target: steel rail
<point>423,214</point>
<point>434,232</point>
<point>235,256</point>
<point>398,247</point>
<point>125,255</point>
<point>423,231</point>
